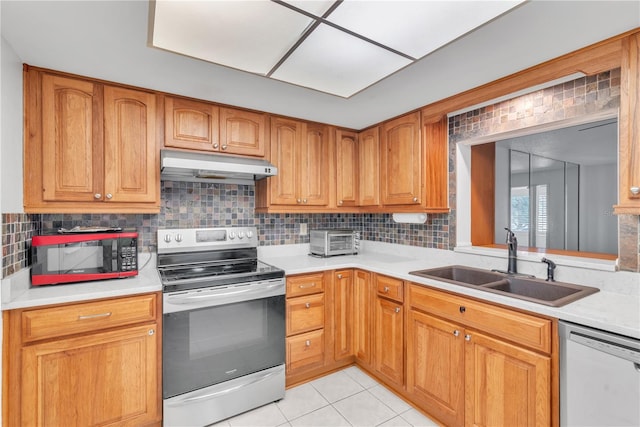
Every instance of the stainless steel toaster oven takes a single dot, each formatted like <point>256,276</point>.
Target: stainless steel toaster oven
<point>334,241</point>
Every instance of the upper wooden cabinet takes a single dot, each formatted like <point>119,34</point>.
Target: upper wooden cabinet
<point>436,164</point>
<point>369,167</point>
<point>629,136</point>
<point>191,124</point>
<point>89,147</point>
<point>301,152</point>
<point>401,161</point>
<point>347,170</point>
<point>203,126</point>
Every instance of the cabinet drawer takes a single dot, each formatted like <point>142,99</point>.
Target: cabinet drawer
<point>305,284</point>
<point>389,287</point>
<point>305,350</point>
<point>71,319</point>
<point>527,330</point>
<point>305,313</point>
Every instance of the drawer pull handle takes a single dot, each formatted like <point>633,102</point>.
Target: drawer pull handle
<point>397,310</point>
<point>308,305</point>
<point>386,289</point>
<point>456,333</point>
<point>308,343</point>
<point>467,337</point>
<point>94,316</point>
<point>310,285</point>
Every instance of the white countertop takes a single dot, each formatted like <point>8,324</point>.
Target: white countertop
<point>17,291</point>
<point>616,308</point>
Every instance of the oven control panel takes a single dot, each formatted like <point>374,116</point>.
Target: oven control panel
<point>186,239</point>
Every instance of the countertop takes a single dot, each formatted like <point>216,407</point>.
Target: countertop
<point>615,308</point>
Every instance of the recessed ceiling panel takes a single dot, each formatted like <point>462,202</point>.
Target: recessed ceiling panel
<point>331,61</point>
<point>250,36</point>
<point>416,28</point>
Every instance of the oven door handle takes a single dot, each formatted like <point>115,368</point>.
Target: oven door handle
<point>226,390</point>
<point>195,297</point>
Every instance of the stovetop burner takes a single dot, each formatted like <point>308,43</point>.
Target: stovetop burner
<point>196,258</point>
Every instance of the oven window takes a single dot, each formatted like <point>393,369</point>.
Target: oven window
<point>75,256</point>
<point>211,345</point>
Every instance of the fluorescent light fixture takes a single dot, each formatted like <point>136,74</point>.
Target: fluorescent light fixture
<point>337,47</point>
<point>409,218</point>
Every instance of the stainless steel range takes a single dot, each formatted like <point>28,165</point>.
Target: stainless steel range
<point>223,325</point>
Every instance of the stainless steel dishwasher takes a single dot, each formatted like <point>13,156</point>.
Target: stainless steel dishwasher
<point>599,378</point>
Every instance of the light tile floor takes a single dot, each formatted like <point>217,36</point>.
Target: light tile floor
<point>348,397</point>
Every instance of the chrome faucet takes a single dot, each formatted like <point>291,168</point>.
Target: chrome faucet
<point>512,246</point>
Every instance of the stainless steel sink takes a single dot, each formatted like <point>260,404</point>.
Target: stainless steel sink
<point>555,294</point>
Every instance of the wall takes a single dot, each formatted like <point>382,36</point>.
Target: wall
<point>584,96</point>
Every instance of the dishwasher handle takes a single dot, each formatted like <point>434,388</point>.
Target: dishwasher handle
<point>624,352</point>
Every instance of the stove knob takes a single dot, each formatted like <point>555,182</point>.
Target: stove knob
<point>241,235</point>
<point>232,235</point>
<point>179,238</point>
<point>167,238</point>
<point>249,234</point>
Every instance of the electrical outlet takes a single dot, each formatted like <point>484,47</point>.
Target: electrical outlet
<point>303,229</point>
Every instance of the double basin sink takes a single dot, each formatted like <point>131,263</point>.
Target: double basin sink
<point>555,294</point>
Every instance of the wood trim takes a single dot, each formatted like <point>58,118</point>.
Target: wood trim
<point>483,183</point>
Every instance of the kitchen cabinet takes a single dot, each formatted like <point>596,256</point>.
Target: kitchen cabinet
<point>472,361</point>
<point>343,314</point>
<point>629,136</point>
<point>305,320</point>
<point>369,167</point>
<point>389,330</point>
<point>243,132</point>
<point>89,363</point>
<point>191,124</point>
<point>363,317</point>
<point>89,147</point>
<point>436,164</point>
<point>401,161</point>
<point>301,152</point>
<point>347,171</point>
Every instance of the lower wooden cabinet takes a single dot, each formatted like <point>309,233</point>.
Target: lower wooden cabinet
<point>389,330</point>
<point>108,376</point>
<point>363,317</point>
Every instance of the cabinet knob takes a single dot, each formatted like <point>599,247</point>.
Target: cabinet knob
<point>339,276</point>
<point>151,332</point>
<point>415,200</point>
<point>97,196</point>
<point>635,190</point>
<point>386,289</point>
<point>215,146</point>
<point>109,196</point>
<point>467,337</point>
<point>304,200</point>
<point>224,147</point>
<point>299,200</point>
<point>307,343</point>
<point>308,305</point>
<point>456,333</point>
<point>340,203</point>
<point>397,310</point>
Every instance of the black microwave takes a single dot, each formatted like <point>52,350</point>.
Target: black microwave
<point>67,258</point>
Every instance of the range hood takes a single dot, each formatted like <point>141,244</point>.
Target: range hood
<point>201,167</point>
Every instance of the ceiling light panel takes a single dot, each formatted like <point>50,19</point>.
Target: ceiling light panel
<point>416,28</point>
<point>250,36</point>
<point>331,61</point>
<point>317,8</point>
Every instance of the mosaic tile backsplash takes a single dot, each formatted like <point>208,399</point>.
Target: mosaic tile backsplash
<point>212,205</point>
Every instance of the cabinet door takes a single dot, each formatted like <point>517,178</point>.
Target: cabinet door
<point>346,168</point>
<point>191,124</point>
<point>505,384</point>
<point>629,137</point>
<point>389,337</point>
<point>401,161</point>
<point>130,150</point>
<point>285,139</point>
<point>109,377</point>
<point>343,314</point>
<point>435,366</point>
<point>242,132</point>
<point>71,140</point>
<point>436,165</point>
<point>314,173</point>
<point>363,316</point>
<point>369,167</point>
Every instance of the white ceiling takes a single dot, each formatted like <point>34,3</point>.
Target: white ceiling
<point>337,47</point>
<point>111,40</point>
